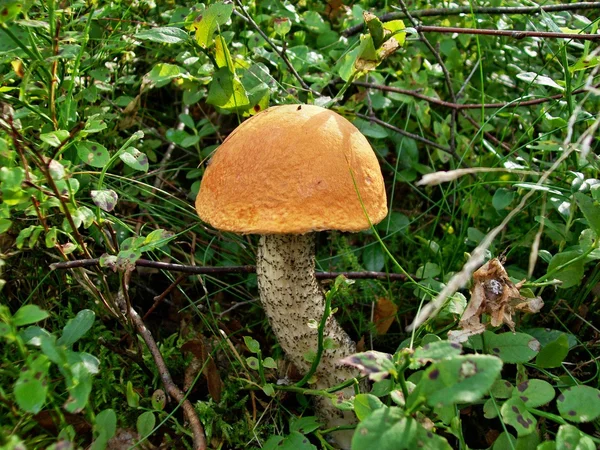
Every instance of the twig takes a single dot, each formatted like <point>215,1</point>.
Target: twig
<point>460,106</point>
<point>159,298</point>
<point>165,376</point>
<point>211,270</point>
<point>244,15</point>
<point>433,12</point>
<point>440,61</point>
<point>508,33</point>
<point>416,137</point>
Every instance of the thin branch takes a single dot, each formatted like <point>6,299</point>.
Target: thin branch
<point>460,106</point>
<point>447,77</point>
<point>246,16</point>
<point>509,33</point>
<point>416,137</point>
<point>444,12</point>
<point>165,376</point>
<point>211,270</point>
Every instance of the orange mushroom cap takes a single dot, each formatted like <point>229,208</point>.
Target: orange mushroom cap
<point>293,169</point>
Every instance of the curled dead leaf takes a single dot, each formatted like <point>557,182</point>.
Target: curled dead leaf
<point>493,293</point>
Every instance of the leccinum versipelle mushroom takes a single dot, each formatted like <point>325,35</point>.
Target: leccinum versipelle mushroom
<point>284,174</point>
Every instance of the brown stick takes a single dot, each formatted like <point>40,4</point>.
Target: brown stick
<point>444,12</point>
<point>509,33</point>
<point>461,106</point>
<point>170,386</point>
<point>211,270</point>
<point>416,137</point>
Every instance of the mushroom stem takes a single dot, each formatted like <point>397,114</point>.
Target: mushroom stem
<point>294,304</point>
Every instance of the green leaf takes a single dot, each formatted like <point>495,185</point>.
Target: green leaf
<point>252,344</point>
<point>436,351</point>
<point>5,225</point>
<point>365,404</point>
<point>305,425</point>
<point>462,379</point>
<point>12,178</point>
<point>133,398</point>
<point>28,314</point>
<point>54,138</point>
<point>106,423</point>
<point>9,9</point>
<point>570,275</point>
<point>92,153</point>
<point>269,363</point>
<point>135,159</point>
<point>226,91</point>
<point>534,392</point>
<point>570,438</point>
<point>375,28</point>
<point>159,400</point>
<point>502,198</point>
<point>145,423</point>
<point>165,35</point>
<point>579,404</point>
<point>268,389</point>
<point>554,353</point>
<point>31,387</point>
<point>514,413</point>
<point>376,365</point>
<point>105,199</point>
<point>51,238</point>
<point>77,327</point>
<point>512,347</point>
<point>373,258</point>
<point>212,17</point>
<point>388,429</point>
<point>590,209</point>
<point>162,74</point>
<point>252,362</point>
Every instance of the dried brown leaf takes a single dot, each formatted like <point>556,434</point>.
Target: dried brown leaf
<point>384,315</point>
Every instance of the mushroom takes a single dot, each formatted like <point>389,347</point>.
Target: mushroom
<point>286,173</point>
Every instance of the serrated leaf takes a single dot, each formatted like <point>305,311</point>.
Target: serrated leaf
<point>93,153</point>
<point>165,35</point>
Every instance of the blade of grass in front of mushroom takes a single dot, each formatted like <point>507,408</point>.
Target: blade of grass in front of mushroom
<point>387,251</point>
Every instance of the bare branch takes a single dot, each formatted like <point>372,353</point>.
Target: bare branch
<point>444,12</point>
<point>460,106</point>
<point>208,270</point>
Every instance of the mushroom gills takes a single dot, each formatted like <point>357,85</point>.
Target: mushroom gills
<point>294,304</point>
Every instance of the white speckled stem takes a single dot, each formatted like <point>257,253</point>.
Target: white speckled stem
<point>292,298</point>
